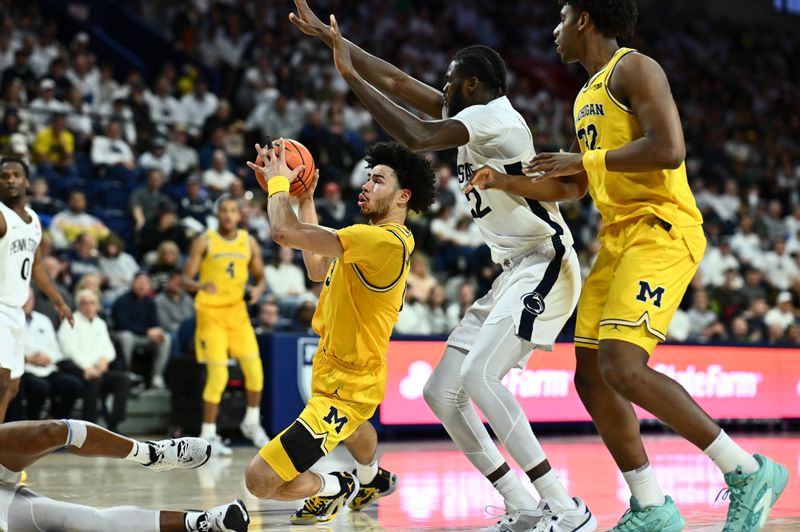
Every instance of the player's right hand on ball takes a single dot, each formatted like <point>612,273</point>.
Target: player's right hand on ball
<point>306,20</point>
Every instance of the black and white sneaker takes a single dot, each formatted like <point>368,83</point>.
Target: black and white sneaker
<point>232,517</point>
<point>178,453</point>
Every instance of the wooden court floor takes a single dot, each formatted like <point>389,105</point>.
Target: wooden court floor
<point>438,489</point>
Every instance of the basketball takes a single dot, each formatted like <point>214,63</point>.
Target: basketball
<point>296,155</point>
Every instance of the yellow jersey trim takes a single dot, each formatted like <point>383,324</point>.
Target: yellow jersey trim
<point>374,288</point>
<point>608,89</point>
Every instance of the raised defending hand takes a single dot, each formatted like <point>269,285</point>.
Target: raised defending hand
<point>341,53</point>
<point>307,21</point>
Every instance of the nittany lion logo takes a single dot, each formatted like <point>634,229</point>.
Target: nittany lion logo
<point>533,302</point>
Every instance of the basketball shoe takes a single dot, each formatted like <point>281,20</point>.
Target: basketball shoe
<point>752,496</point>
<point>321,509</point>
<point>180,453</point>
<point>517,521</point>
<point>255,433</point>
<point>218,447</point>
<point>232,517</point>
<point>664,518</point>
<point>555,519</point>
<point>383,485</point>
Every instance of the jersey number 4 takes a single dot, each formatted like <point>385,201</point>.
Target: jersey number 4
<point>231,270</point>
<point>464,175</point>
<point>589,136</point>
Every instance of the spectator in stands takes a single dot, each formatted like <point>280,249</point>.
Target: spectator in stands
<point>745,243</point>
<point>117,266</point>
<point>12,124</point>
<point>254,217</point>
<point>413,317</point>
<point>57,271</point>
<point>680,327</point>
<point>183,158</point>
<point>754,286</point>
<point>85,77</point>
<point>420,280</point>
<point>437,311</point>
<point>220,118</point>
<point>20,70</point>
<point>276,119</point>
<point>43,107</point>
<point>303,316</point>
<point>268,318</point>
<point>111,150</point>
<point>782,315</point>
<point>79,119</point>
<point>168,259</point>
<point>285,279</point>
<point>68,224</point>
<point>88,346</point>
<point>333,211</point>
<point>165,109</point>
<point>119,111</point>
<point>136,325</point>
<point>156,158</point>
<point>42,379</point>
<point>740,331</point>
<point>705,326</point>
<point>198,105</point>
<point>728,299</point>
<point>54,147</point>
<point>754,316</point>
<point>237,190</point>
<point>717,261</point>
<point>146,200</point>
<point>774,224</point>
<point>40,200</point>
<point>218,178</point>
<point>83,257</point>
<point>465,299</point>
<point>195,205</point>
<point>780,269</point>
<point>107,86</point>
<point>174,306</point>
<point>163,227</point>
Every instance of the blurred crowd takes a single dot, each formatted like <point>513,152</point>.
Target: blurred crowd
<point>125,170</point>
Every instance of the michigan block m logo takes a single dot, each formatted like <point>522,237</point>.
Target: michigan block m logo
<point>333,419</point>
<point>647,293</point>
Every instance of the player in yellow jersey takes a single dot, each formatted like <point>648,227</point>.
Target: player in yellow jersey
<point>630,151</point>
<point>226,258</point>
<point>365,269</point>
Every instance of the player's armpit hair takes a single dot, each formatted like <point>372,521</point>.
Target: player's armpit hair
<point>614,18</point>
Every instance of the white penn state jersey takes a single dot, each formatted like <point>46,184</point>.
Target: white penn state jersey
<point>511,225</point>
<point>17,250</point>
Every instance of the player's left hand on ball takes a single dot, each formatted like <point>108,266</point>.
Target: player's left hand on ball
<point>270,163</point>
<point>549,165</point>
<point>484,178</point>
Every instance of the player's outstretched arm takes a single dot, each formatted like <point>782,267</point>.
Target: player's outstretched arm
<point>409,130</point>
<point>287,229</point>
<point>256,272</point>
<point>640,82</point>
<point>316,265</point>
<point>379,73</point>
<point>45,284</point>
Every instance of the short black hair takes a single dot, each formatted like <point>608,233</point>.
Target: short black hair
<point>485,64</point>
<point>413,171</point>
<point>224,198</point>
<point>20,161</point>
<point>614,18</point>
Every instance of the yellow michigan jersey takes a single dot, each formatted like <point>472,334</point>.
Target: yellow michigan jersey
<point>226,264</point>
<point>357,311</point>
<point>652,236</point>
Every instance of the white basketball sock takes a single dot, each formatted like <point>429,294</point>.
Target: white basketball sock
<point>366,473</point>
<point>140,453</point>
<point>330,485</point>
<point>644,486</point>
<point>208,431</point>
<point>252,416</point>
<point>551,489</point>
<point>514,492</point>
<point>727,455</point>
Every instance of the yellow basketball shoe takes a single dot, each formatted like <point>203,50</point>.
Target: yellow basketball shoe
<point>321,509</point>
<point>383,485</point>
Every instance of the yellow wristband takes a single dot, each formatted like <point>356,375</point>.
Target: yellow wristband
<point>595,161</point>
<point>277,184</point>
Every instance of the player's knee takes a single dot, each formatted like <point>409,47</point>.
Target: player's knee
<point>473,377</point>
<point>434,395</point>
<point>620,374</point>
<point>260,480</point>
<point>253,372</point>
<point>216,381</point>
<point>53,431</point>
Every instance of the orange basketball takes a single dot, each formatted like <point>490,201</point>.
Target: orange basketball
<point>296,155</point>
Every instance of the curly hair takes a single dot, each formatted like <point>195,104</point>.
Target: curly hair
<point>413,171</point>
<point>614,18</point>
<point>485,64</point>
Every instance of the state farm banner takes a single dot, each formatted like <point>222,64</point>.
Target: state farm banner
<point>729,382</point>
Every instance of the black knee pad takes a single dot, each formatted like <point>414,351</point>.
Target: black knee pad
<point>302,447</point>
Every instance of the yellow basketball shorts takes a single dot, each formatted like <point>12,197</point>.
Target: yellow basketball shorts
<point>340,402</point>
<point>637,283</point>
<point>222,331</point>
